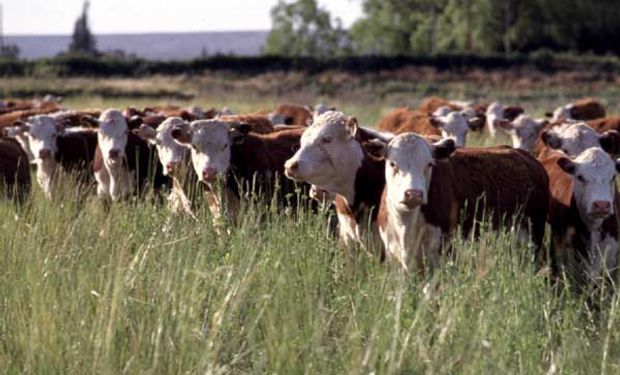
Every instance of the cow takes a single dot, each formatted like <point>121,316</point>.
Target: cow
<point>48,143</point>
<point>572,138</point>
<point>123,161</point>
<point>432,188</point>
<point>444,122</point>
<point>8,119</point>
<point>496,113</point>
<point>582,109</point>
<point>432,103</point>
<point>232,157</point>
<point>257,123</point>
<point>14,171</point>
<point>175,162</point>
<point>332,156</point>
<point>605,123</point>
<point>292,114</point>
<point>584,227</point>
<point>523,130</point>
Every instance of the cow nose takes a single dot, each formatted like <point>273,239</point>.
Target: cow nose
<point>114,153</point>
<point>413,197</point>
<point>291,167</point>
<point>170,167</point>
<point>209,175</point>
<point>45,154</point>
<point>601,207</point>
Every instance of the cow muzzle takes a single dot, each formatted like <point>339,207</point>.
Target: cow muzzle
<point>600,209</point>
<point>170,167</point>
<point>291,168</point>
<point>45,154</point>
<point>209,175</point>
<point>114,154</point>
<point>412,198</point>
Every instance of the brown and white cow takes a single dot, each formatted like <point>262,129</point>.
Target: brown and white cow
<point>572,138</point>
<point>583,221</point>
<point>175,161</point>
<point>333,158</point>
<point>583,109</point>
<point>231,156</point>
<point>496,113</point>
<point>523,130</point>
<point>14,170</point>
<point>123,161</point>
<point>431,189</point>
<point>48,143</point>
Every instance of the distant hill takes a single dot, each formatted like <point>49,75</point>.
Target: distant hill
<point>156,46</point>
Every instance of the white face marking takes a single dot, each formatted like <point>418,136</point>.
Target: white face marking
<point>408,168</point>
<point>494,113</point>
<point>562,113</point>
<point>574,138</point>
<point>594,183</point>
<point>112,136</point>
<point>170,153</point>
<point>524,132</point>
<point>42,133</point>
<point>454,126</point>
<point>329,155</point>
<point>210,146</point>
<point>442,111</point>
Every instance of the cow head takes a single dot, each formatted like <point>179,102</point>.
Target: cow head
<point>523,131</point>
<point>41,133</point>
<point>454,126</point>
<point>329,155</point>
<point>171,154</point>
<point>594,183</point>
<point>574,138</point>
<point>409,163</point>
<point>494,114</point>
<point>112,136</point>
<point>210,142</point>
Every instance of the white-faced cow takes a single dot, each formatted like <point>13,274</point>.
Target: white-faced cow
<point>583,220</point>
<point>332,157</point>
<point>523,130</point>
<point>230,156</point>
<point>582,110</point>
<point>497,112</point>
<point>572,138</point>
<point>431,189</point>
<point>175,161</point>
<point>49,144</point>
<point>123,161</point>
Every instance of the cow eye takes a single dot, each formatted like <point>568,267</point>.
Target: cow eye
<point>327,139</point>
<point>225,145</point>
<point>581,178</point>
<point>295,147</point>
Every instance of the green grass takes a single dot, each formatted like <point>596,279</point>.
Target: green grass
<point>138,290</point>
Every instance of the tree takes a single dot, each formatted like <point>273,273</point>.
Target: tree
<point>302,28</point>
<point>83,40</point>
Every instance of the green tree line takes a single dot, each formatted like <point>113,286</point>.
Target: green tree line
<point>405,27</point>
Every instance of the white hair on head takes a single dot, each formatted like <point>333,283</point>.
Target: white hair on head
<point>329,117</point>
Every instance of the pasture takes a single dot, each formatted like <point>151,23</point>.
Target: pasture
<point>135,289</point>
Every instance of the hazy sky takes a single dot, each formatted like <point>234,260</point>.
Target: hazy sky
<point>114,16</point>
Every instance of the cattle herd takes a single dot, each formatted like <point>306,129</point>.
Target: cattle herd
<point>410,182</point>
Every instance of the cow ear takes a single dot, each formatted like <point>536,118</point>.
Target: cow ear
<point>352,126</point>
<point>182,135</point>
<point>567,165</point>
<point>239,131</point>
<point>444,148</point>
<point>134,122</point>
<point>376,148</point>
<point>476,123</point>
<point>610,142</point>
<point>147,133</point>
<point>548,114</point>
<point>542,122</point>
<point>60,127</point>
<point>551,140</point>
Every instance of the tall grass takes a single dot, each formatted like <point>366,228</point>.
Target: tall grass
<point>135,289</point>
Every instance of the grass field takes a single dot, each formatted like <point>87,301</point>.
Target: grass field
<point>138,290</point>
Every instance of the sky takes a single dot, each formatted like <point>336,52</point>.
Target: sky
<point>36,17</point>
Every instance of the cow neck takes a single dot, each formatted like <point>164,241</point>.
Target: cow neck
<point>368,185</point>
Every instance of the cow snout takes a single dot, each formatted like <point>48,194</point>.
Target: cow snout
<point>114,154</point>
<point>170,167</point>
<point>45,154</point>
<point>291,167</point>
<point>601,207</point>
<point>413,198</point>
<point>209,175</point>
